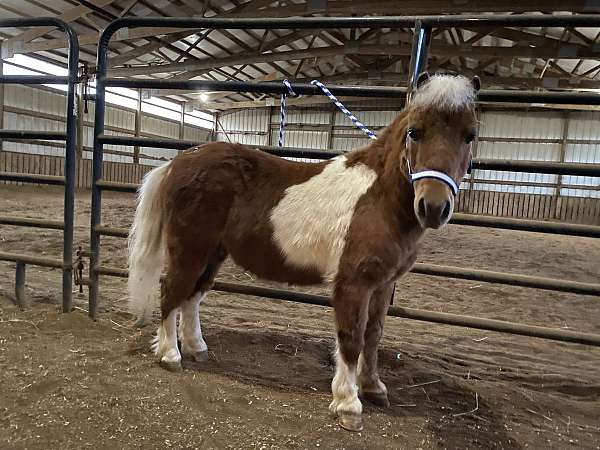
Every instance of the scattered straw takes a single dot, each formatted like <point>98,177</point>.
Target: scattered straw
<point>538,414</point>
<point>117,324</point>
<point>419,384</point>
<point>21,320</point>
<point>473,410</point>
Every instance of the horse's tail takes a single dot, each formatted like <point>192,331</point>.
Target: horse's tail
<point>146,247</point>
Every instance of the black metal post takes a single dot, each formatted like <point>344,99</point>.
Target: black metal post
<point>20,296</point>
<point>70,159</point>
<point>96,213</point>
<point>418,60</point>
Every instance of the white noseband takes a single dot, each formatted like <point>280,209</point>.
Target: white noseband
<point>443,177</point>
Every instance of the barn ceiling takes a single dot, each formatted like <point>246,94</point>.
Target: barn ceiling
<point>532,58</point>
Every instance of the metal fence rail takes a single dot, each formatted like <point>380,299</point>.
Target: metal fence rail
<point>423,28</point>
<point>398,311</point>
<point>68,180</point>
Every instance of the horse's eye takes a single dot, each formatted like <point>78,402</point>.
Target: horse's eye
<point>415,134</point>
<point>470,137</point>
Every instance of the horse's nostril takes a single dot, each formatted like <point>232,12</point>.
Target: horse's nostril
<point>446,211</point>
<point>422,208</point>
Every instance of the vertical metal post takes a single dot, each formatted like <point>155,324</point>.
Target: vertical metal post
<point>270,126</point>
<point>138,127</point>
<point>80,124</point>
<point>70,157</point>
<point>418,59</point>
<point>182,122</point>
<point>20,285</point>
<point>330,131</point>
<point>563,150</point>
<point>96,213</point>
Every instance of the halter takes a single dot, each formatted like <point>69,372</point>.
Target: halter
<point>434,174</point>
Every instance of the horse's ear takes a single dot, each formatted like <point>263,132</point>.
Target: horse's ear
<point>422,78</point>
<point>476,83</point>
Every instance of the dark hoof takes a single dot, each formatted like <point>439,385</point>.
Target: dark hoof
<point>350,422</point>
<point>376,398</point>
<point>200,356</point>
<point>171,366</point>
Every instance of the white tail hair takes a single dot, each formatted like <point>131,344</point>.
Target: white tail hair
<point>146,247</point>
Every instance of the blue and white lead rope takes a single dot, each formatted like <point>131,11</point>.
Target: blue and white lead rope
<point>291,93</point>
<point>342,108</point>
<point>332,97</point>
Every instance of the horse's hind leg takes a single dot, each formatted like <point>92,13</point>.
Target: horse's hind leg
<point>185,262</point>
<point>190,331</point>
<point>350,304</point>
<point>371,388</point>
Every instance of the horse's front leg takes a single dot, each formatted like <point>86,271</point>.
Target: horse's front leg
<point>351,311</point>
<point>371,388</point>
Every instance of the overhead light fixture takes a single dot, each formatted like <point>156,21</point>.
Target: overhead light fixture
<point>203,97</point>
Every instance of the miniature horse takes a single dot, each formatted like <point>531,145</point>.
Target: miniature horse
<point>355,220</point>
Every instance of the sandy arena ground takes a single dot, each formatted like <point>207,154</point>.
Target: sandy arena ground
<point>69,383</point>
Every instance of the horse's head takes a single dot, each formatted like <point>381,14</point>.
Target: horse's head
<point>440,127</point>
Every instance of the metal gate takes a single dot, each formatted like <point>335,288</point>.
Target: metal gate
<point>68,180</point>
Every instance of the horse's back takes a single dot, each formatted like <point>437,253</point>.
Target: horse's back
<point>237,167</point>
<point>230,190</point>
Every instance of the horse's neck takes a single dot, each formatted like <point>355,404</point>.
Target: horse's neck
<point>385,158</point>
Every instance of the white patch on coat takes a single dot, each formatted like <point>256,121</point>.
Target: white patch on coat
<point>445,92</point>
<point>311,221</point>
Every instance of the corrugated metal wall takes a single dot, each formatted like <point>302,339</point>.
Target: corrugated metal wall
<point>30,108</point>
<point>515,135</point>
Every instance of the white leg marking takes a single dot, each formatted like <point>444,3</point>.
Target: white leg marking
<point>344,389</point>
<point>190,331</point>
<point>164,345</point>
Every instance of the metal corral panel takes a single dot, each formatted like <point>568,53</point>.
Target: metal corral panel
<point>159,127</point>
<point>40,100</point>
<point>46,104</point>
<point>519,126</point>
<point>120,118</point>
<point>253,120</point>
<point>303,117</point>
<point>195,134</point>
<point>246,127</point>
<point>583,126</point>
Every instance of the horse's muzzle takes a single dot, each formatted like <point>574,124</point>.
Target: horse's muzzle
<point>432,209</point>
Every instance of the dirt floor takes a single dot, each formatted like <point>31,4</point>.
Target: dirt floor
<point>67,382</point>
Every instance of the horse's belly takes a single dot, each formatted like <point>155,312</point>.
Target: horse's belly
<point>266,261</point>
